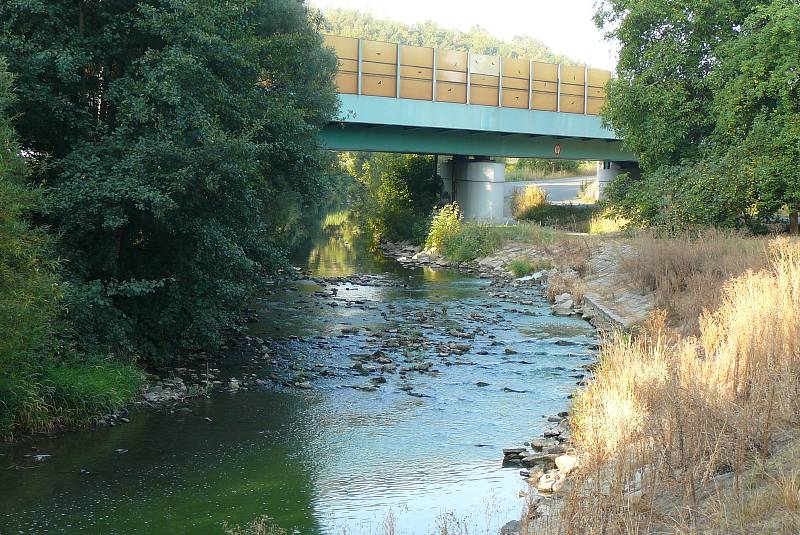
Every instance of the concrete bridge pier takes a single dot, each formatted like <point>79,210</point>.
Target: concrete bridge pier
<point>477,184</point>
<point>609,170</point>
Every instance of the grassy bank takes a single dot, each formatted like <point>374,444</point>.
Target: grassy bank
<point>677,428</point>
<point>463,241</point>
<point>531,204</point>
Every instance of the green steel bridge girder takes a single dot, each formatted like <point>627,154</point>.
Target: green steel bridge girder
<point>381,124</point>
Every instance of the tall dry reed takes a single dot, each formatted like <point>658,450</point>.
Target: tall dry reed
<point>666,415</point>
<point>686,272</point>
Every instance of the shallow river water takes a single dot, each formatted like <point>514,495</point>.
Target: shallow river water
<point>333,459</point>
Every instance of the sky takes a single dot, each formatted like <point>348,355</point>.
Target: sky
<point>566,26</point>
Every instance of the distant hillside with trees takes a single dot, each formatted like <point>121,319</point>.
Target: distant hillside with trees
<point>352,23</point>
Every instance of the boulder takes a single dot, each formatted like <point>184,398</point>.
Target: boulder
<point>512,527</point>
<point>545,459</point>
<point>567,462</point>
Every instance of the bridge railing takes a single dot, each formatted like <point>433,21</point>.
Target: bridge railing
<point>403,71</point>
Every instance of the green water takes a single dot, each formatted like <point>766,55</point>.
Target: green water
<point>334,459</point>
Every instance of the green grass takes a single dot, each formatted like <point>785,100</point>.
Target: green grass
<point>521,267</point>
<point>572,217</point>
<point>476,240</point>
<point>57,395</point>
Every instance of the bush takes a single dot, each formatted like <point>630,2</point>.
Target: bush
<point>179,160</point>
<point>523,200</point>
<point>43,382</point>
<point>446,224</point>
<point>572,217</point>
<point>394,195</point>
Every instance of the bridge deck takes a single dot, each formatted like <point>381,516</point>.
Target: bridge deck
<point>399,98</point>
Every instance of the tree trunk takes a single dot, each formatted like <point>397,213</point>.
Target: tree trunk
<point>793,222</point>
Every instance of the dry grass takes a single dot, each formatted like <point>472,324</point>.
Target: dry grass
<point>668,415</point>
<point>687,272</point>
<point>523,200</point>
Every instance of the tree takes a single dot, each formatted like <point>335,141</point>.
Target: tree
<point>176,141</point>
<point>659,101</point>
<point>758,104</point>
<point>394,193</point>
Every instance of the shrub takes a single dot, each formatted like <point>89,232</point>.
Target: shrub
<point>523,200</point>
<point>446,224</point>
<point>473,241</point>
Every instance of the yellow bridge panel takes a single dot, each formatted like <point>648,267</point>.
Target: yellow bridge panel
<point>345,47</point>
<point>598,77</point>
<point>515,83</point>
<point>571,104</point>
<point>483,95</point>
<point>416,89</point>
<point>573,75</point>
<point>483,79</point>
<point>544,101</point>
<point>515,98</point>
<point>422,73</point>
<point>484,64</point>
<point>449,92</point>
<point>379,86</point>
<point>594,105</point>
<point>516,68</point>
<point>347,82</point>
<point>547,72</point>
<point>379,52</point>
<point>451,76</point>
<point>416,56</point>
<point>386,69</point>
<point>451,60</point>
<point>571,89</point>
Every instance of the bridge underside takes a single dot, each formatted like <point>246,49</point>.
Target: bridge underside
<point>380,124</point>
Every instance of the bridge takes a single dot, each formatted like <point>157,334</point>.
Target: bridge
<point>469,107</point>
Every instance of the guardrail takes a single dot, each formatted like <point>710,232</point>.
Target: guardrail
<point>403,71</point>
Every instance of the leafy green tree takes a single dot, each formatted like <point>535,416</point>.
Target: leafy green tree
<point>758,104</point>
<point>29,293</point>
<point>43,381</point>
<point>659,101</point>
<point>177,144</point>
<point>394,193</point>
<point>707,95</point>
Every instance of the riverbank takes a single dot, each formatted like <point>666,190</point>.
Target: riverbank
<point>669,292</point>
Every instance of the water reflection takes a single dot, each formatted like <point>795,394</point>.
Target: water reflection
<point>334,459</point>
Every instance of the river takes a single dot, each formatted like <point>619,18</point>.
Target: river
<point>413,452</point>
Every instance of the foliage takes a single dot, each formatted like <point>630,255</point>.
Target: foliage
<point>262,525</point>
<point>573,217</point>
<point>176,142</point>
<point>708,96</point>
<point>758,105</point>
<point>352,23</point>
<point>521,267</point>
<point>394,193</point>
<point>42,381</point>
<point>446,223</point>
<point>464,241</point>
<point>534,168</point>
<point>524,200</point>
<point>658,101</point>
<point>707,406</point>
